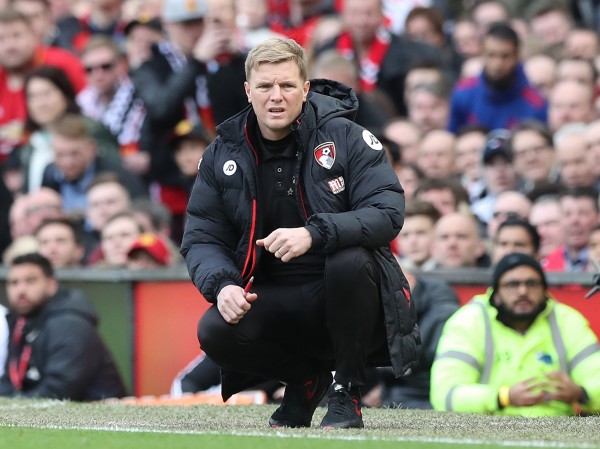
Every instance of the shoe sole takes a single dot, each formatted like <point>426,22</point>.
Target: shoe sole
<point>345,425</point>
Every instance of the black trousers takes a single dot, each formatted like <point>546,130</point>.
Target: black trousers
<point>292,331</point>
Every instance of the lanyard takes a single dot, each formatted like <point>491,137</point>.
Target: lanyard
<point>17,369</point>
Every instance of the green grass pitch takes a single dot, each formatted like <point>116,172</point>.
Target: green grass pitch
<point>55,424</point>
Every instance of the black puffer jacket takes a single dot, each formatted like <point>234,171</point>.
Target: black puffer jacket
<point>68,358</point>
<point>218,243</point>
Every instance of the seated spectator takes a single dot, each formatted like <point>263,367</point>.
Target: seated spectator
<point>546,217</point>
<point>532,148</point>
<point>373,110</point>
<point>446,194</point>
<point>487,12</point>
<point>76,163</point>
<point>498,171</point>
<point>515,235</point>
<point>110,99</point>
<point>501,95</point>
<point>59,241</point>
<point>581,43</point>
<point>105,196</point>
<point>148,252</point>
<point>577,69</point>
<point>141,33</point>
<point>415,240</point>
<point>551,24</point>
<point>435,301</point>
<point>410,177</point>
<point>429,105</point>
<point>116,238</point>
<point>457,242</point>
<point>508,204</point>
<point>22,245</point>
<point>592,140</point>
<point>594,246</point>
<point>252,20</point>
<point>465,38</point>
<point>579,216</point>
<point>31,209</point>
<point>407,136</point>
<point>541,72</point>
<point>483,367</point>
<point>570,102</point>
<point>26,53</point>
<point>470,142</point>
<point>436,154</point>
<point>52,335</point>
<point>188,146</point>
<point>572,158</point>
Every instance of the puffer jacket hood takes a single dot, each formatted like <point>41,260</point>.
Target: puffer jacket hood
<point>68,301</point>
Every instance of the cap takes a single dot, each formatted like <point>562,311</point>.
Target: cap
<point>150,22</point>
<point>514,260</point>
<point>154,246</point>
<point>497,145</point>
<point>183,10</point>
<point>185,130</point>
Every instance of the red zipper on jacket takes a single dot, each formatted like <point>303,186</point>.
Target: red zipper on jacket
<point>250,262</point>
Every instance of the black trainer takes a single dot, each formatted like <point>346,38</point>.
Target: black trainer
<point>299,402</point>
<point>343,409</point>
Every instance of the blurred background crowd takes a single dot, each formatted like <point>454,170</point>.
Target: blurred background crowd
<point>488,109</point>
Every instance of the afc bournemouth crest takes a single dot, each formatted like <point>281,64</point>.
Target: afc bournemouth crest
<point>325,155</point>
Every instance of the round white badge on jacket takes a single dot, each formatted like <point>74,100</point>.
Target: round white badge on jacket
<point>371,140</point>
<point>229,168</point>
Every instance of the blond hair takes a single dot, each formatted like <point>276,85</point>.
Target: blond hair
<point>276,50</point>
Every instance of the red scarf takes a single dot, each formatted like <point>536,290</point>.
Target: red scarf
<point>17,366</point>
<point>371,63</point>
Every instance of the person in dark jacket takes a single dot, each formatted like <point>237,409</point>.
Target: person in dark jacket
<point>55,350</point>
<point>295,195</point>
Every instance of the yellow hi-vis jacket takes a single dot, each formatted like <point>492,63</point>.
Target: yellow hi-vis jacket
<point>477,355</point>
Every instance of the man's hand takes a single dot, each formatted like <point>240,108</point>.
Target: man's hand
<point>233,303</point>
<point>287,243</point>
<point>214,41</point>
<point>562,388</point>
<point>522,393</point>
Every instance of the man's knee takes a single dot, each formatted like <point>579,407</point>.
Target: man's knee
<point>348,264</point>
<point>210,329</point>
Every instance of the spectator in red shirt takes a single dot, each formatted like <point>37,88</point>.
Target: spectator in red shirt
<point>20,51</point>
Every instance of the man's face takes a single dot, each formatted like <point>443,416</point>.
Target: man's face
<point>546,217</point>
<point>569,102</point>
<point>592,140</point>
<point>277,93</point>
<point>436,154</point>
<point>38,15</point>
<point>72,156</point>
<point>17,46</point>
<point>362,18</point>
<point>571,157</point>
<point>468,150</point>
<point>416,238</point>
<point>443,200</point>
<point>500,58</point>
<point>105,200</point>
<point>57,243</point>
<point>500,175</point>
<point>520,293</point>
<point>533,156</point>
<point>427,110</point>
<point>185,35</point>
<point>188,155</point>
<point>117,237</point>
<point>101,67</point>
<point>512,239</point>
<point>456,242</point>
<point>407,136</point>
<point>579,218</point>
<point>28,288</point>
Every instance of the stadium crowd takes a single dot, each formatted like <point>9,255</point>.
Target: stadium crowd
<point>489,111</point>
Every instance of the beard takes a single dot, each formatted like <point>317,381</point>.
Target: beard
<point>512,319</point>
<point>503,83</point>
